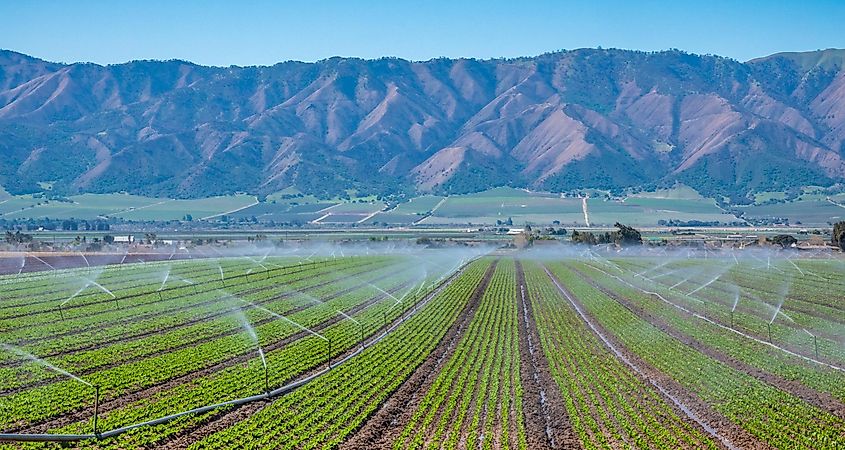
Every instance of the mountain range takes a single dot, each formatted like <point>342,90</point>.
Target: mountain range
<point>588,118</point>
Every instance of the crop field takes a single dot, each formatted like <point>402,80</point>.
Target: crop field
<point>359,348</point>
<point>648,211</point>
<point>130,207</point>
<point>807,211</point>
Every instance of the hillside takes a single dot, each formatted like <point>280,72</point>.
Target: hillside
<point>588,118</point>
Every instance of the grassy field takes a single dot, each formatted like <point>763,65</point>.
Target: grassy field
<point>418,205</point>
<point>130,207</point>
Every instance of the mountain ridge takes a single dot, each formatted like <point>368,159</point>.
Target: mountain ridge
<point>586,118</point>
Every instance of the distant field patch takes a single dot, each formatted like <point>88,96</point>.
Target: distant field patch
<point>85,206</point>
<point>807,212</point>
<point>343,218</point>
<point>649,210</point>
<point>762,197</point>
<point>199,208</point>
<point>501,203</point>
<point>358,208</point>
<point>418,205</point>
<point>394,218</point>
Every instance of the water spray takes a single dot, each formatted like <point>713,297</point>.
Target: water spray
<point>815,342</point>
<point>360,325</point>
<point>705,285</point>
<point>20,352</point>
<point>796,267</point>
<point>42,261</point>
<point>251,332</point>
<point>302,327</point>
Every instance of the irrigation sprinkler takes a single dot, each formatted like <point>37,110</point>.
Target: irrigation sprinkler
<point>96,408</point>
<point>732,319</point>
<point>351,319</point>
<point>329,354</point>
<point>769,327</point>
<point>816,346</point>
<point>61,313</point>
<point>266,380</point>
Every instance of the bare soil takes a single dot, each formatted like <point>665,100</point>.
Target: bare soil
<point>547,423</point>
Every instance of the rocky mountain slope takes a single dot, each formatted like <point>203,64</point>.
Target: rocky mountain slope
<point>560,121</point>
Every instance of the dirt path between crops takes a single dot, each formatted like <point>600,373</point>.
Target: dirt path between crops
<point>128,399</point>
<point>227,418</point>
<point>382,429</point>
<point>547,423</point>
<point>672,391</point>
<point>822,400</point>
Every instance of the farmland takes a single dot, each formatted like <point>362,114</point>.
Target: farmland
<point>493,206</point>
<point>124,206</point>
<point>401,347</point>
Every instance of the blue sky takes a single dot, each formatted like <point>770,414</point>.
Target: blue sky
<point>265,32</point>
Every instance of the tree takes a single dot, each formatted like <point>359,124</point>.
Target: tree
<point>584,237</point>
<point>625,235</point>
<point>17,237</point>
<point>108,239</point>
<point>784,240</point>
<point>838,236</point>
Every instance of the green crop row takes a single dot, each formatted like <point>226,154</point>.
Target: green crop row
<point>773,416</point>
<point>608,405</point>
<point>481,376</point>
<point>324,412</point>
<point>47,401</point>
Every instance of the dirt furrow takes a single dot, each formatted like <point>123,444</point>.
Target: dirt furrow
<point>382,429</point>
<point>547,423</point>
